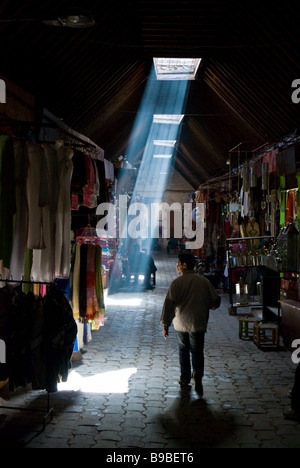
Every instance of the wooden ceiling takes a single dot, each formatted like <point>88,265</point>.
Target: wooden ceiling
<point>94,78</point>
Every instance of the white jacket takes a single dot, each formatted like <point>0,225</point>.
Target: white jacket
<point>188,301</point>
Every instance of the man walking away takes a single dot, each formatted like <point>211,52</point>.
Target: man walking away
<point>187,305</point>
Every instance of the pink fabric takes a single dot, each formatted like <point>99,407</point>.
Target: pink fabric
<point>270,158</point>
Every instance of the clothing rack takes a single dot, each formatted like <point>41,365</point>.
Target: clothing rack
<point>49,411</point>
<point>70,133</point>
<point>4,280</point>
<point>72,137</point>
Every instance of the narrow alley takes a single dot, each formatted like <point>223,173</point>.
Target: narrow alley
<point>124,393</point>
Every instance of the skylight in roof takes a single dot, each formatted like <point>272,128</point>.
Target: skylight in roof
<point>176,68</point>
<point>162,156</point>
<point>170,143</point>
<point>168,118</point>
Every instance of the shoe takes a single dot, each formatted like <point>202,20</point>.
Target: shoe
<point>198,384</point>
<point>292,415</point>
<point>184,383</point>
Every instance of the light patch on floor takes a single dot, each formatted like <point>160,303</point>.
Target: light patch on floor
<point>104,382</point>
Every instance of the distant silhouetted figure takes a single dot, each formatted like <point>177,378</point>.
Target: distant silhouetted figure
<point>141,263</point>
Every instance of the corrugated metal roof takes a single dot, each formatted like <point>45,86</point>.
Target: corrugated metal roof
<point>95,78</point>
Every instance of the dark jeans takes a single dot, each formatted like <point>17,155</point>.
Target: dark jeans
<point>295,403</point>
<point>191,343</point>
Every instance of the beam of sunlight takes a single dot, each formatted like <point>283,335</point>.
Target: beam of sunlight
<point>105,382</point>
<point>165,98</point>
<point>165,143</point>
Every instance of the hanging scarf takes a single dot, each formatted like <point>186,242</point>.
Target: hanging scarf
<point>91,297</point>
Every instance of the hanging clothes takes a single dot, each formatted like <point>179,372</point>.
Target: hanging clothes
<point>290,206</point>
<point>39,333</point>
<point>7,198</point>
<point>63,213</point>
<point>5,309</point>
<point>270,158</point>
<point>75,281</point>
<point>82,283</point>
<point>102,185</point>
<point>92,306</point>
<point>35,210</point>
<point>43,264</point>
<point>38,194</point>
<point>60,336</point>
<point>87,296</point>
<point>286,162</point>
<point>79,179</point>
<point>96,188</point>
<point>245,205</point>
<point>21,218</point>
<point>109,170</point>
<point>89,188</point>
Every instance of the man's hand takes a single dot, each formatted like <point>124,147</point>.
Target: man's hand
<point>165,332</point>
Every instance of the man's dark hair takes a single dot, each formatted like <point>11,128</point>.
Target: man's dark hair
<point>189,259</point>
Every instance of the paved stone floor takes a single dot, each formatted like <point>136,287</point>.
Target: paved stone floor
<point>125,392</point>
